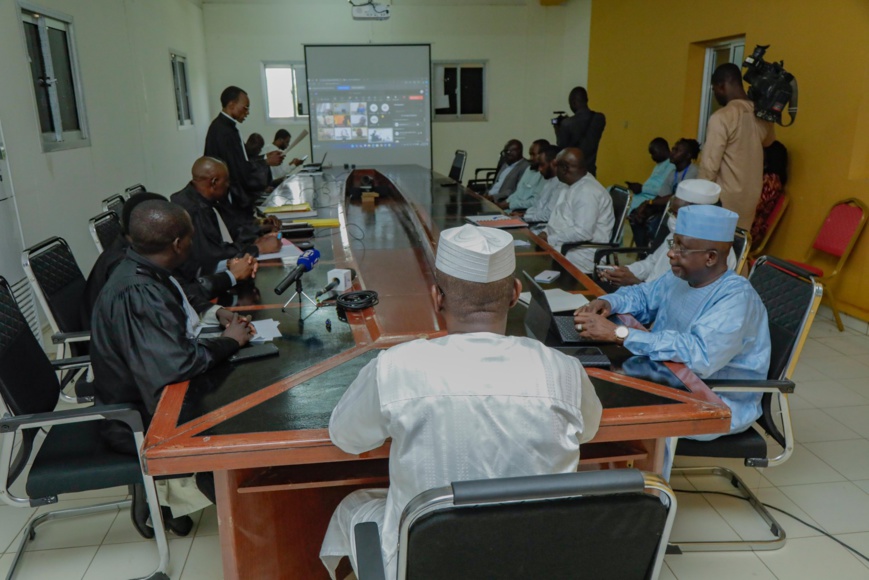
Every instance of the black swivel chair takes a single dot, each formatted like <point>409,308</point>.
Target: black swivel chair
<point>59,285</point>
<point>607,524</point>
<point>791,296</point>
<point>457,169</point>
<point>621,201</point>
<point>133,190</point>
<point>105,228</point>
<point>114,203</point>
<point>73,457</point>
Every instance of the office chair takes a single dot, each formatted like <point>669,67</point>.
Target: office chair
<point>114,203</point>
<point>621,201</point>
<point>105,228</point>
<point>59,285</point>
<point>741,247</point>
<point>771,222</point>
<point>615,523</point>
<point>836,237</point>
<point>791,296</point>
<point>133,190</point>
<point>457,169</point>
<point>73,456</point>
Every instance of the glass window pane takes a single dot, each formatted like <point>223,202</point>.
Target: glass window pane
<point>37,72</point>
<point>448,98</point>
<point>279,86</point>
<point>185,97</point>
<point>179,109</point>
<point>57,42</point>
<point>472,91</point>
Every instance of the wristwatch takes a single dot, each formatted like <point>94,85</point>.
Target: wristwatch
<point>621,333</point>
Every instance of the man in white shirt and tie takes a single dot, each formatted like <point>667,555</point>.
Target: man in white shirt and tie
<point>470,405</point>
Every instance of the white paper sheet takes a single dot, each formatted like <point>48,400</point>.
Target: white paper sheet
<point>559,300</point>
<point>266,330</point>
<point>288,251</point>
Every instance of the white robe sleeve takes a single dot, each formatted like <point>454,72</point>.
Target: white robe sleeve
<point>357,423</point>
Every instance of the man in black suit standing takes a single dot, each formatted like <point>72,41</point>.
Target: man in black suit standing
<point>224,141</point>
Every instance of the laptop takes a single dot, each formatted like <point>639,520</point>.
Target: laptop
<point>312,167</point>
<point>541,323</point>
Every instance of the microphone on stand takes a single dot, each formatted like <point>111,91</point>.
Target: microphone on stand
<point>340,278</point>
<point>305,263</point>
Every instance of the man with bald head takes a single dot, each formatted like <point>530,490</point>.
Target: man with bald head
<point>583,213</point>
<point>703,314</point>
<point>219,235</point>
<point>144,332</point>
<point>473,404</point>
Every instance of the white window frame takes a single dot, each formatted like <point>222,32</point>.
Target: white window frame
<point>182,93</point>
<point>57,139</point>
<point>300,85</point>
<point>737,53</point>
<point>459,65</point>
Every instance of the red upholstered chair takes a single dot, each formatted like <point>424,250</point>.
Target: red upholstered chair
<point>837,237</point>
<point>772,221</point>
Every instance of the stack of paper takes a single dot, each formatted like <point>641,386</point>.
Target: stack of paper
<point>559,300</point>
<point>288,250</point>
<point>291,211</point>
<point>496,221</point>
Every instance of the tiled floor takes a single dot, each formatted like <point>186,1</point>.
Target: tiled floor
<point>826,482</point>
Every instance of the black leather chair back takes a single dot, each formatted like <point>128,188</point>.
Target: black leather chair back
<point>107,228</point>
<point>609,534</point>
<point>133,190</point>
<point>60,280</point>
<point>457,170</point>
<point>114,203</point>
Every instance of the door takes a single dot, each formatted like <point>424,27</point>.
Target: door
<point>730,51</point>
<point>12,244</point>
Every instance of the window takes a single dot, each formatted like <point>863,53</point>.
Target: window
<point>56,83</point>
<point>720,53</point>
<point>182,92</point>
<point>459,91</point>
<point>286,90</point>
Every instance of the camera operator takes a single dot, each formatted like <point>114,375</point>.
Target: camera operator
<point>583,130</point>
<point>733,152</point>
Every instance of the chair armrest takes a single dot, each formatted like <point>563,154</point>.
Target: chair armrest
<point>77,362</point>
<point>566,247</point>
<point>65,337</point>
<point>745,386</point>
<point>126,413</point>
<point>369,557</point>
<point>607,251</point>
<point>486,170</point>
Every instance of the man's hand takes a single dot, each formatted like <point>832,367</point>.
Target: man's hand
<point>621,276</point>
<point>270,224</point>
<point>268,244</point>
<point>598,306</point>
<point>224,317</point>
<point>543,236</point>
<point>594,326</point>
<point>274,158</point>
<point>296,162</point>
<point>634,186</point>
<point>243,268</point>
<point>239,329</point>
<point>503,204</point>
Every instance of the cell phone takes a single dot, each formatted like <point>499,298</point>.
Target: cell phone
<point>254,351</point>
<point>547,276</point>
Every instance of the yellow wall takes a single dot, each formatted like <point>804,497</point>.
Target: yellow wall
<point>645,69</point>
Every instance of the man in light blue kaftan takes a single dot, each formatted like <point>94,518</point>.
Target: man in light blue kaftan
<point>703,314</point>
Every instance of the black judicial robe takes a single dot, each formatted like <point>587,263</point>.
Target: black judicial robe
<point>223,141</point>
<point>208,245</point>
<point>139,342</point>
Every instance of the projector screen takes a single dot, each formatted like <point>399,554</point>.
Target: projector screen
<point>370,104</point>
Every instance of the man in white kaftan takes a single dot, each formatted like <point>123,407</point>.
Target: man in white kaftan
<point>470,405</point>
<point>704,315</point>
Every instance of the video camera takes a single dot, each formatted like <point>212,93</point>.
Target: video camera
<point>771,87</point>
<point>559,118</point>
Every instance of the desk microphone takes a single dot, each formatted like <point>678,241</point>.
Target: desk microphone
<point>305,263</point>
<point>342,278</point>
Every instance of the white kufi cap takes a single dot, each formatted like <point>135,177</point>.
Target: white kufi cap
<point>476,254</point>
<point>699,191</point>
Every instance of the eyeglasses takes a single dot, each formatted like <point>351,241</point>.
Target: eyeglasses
<point>679,250</point>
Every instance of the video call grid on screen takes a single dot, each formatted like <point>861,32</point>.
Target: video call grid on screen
<point>370,104</point>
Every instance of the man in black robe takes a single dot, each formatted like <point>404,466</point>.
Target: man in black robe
<point>219,235</point>
<point>224,142</point>
<point>144,331</point>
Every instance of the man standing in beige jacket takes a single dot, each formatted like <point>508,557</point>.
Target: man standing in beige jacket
<point>733,152</point>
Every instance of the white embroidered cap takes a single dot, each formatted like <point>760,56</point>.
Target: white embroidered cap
<point>476,254</point>
<point>699,191</point>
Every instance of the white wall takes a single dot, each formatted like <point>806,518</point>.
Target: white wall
<point>123,49</point>
<point>536,55</point>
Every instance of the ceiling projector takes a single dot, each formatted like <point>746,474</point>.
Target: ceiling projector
<point>371,11</point>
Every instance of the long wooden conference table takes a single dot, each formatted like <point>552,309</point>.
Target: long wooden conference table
<point>262,426</point>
